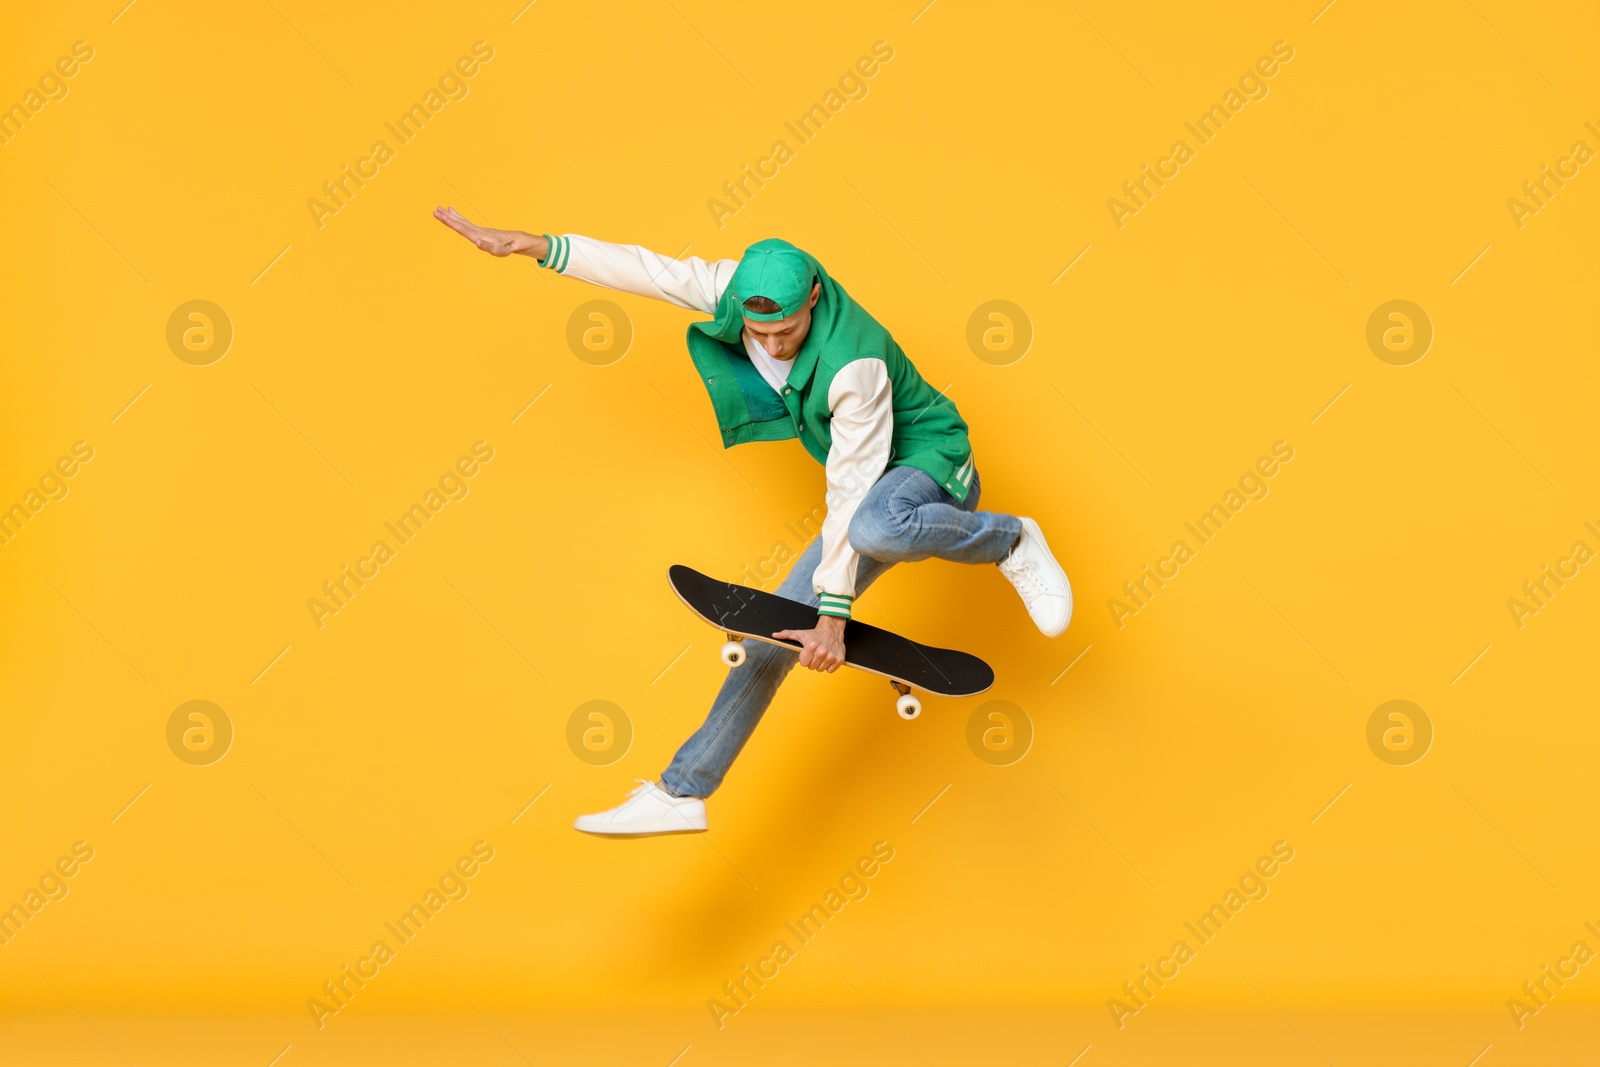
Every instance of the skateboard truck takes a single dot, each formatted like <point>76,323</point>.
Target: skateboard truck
<point>908,705</point>
<point>733,650</point>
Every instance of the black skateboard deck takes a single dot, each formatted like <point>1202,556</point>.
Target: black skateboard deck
<point>744,613</point>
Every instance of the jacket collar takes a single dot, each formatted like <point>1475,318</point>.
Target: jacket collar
<point>801,368</point>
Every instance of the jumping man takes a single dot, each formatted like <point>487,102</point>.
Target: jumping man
<point>786,354</point>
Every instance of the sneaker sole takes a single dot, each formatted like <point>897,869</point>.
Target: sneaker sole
<point>643,833</point>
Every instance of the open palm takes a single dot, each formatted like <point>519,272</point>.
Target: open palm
<point>494,242</point>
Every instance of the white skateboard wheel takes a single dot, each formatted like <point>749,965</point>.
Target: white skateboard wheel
<point>733,653</point>
<point>908,706</point>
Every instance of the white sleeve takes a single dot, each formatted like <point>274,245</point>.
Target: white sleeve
<point>689,283</point>
<point>862,429</point>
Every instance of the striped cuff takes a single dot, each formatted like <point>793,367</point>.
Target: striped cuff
<point>558,255</point>
<point>835,604</point>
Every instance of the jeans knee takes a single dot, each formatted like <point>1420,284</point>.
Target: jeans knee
<point>864,535</point>
<point>877,536</point>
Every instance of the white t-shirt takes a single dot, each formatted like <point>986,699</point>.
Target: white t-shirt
<point>775,371</point>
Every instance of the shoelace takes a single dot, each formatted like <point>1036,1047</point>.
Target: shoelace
<point>647,786</point>
<point>1029,584</point>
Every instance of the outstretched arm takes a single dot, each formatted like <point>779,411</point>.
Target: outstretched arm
<point>692,283</point>
<point>494,242</point>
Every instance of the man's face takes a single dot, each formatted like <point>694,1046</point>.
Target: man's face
<point>782,339</point>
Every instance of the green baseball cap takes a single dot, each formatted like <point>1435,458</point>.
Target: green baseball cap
<point>777,270</point>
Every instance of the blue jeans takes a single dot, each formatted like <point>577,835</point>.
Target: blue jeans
<point>905,516</point>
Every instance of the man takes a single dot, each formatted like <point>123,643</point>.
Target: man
<point>788,354</point>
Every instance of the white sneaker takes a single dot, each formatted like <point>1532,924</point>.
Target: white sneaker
<point>648,810</point>
<point>1040,581</point>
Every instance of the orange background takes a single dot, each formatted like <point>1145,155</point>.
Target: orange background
<point>373,351</point>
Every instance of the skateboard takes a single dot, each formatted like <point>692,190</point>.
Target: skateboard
<point>750,614</point>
